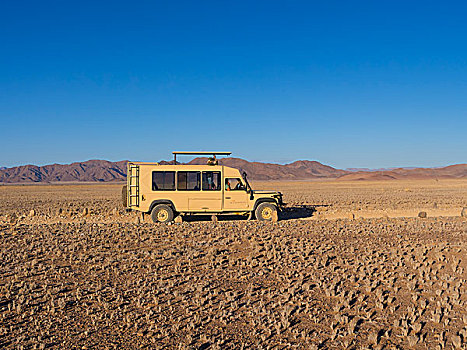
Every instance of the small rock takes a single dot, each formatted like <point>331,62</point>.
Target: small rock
<point>412,340</point>
<point>422,214</point>
<point>275,216</point>
<point>32,213</point>
<point>12,218</point>
<point>456,341</point>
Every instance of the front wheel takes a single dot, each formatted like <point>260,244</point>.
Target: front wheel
<point>266,212</point>
<point>162,213</point>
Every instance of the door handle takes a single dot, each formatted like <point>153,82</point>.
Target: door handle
<point>227,197</point>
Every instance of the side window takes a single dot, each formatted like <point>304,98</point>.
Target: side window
<point>234,184</point>
<point>163,180</point>
<point>188,180</point>
<point>211,181</point>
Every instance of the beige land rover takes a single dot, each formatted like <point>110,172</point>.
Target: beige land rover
<point>165,191</point>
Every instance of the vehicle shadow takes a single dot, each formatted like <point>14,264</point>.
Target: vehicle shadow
<point>288,213</point>
<point>300,211</point>
<point>204,218</point>
<point>297,212</point>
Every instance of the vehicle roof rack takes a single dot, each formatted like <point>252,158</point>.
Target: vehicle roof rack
<point>202,153</point>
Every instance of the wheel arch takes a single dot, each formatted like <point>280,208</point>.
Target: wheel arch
<point>264,200</point>
<point>162,201</point>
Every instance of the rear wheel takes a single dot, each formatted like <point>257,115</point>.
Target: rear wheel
<point>162,213</point>
<point>266,212</point>
<point>124,196</point>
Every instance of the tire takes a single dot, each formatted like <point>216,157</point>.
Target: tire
<point>124,196</point>
<point>266,212</point>
<point>162,213</point>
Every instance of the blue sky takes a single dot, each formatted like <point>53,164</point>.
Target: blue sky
<point>348,83</point>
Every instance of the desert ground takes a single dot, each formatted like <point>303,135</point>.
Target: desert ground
<point>350,266</point>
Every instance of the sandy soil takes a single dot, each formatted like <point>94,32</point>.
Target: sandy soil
<point>372,199</point>
<point>351,266</point>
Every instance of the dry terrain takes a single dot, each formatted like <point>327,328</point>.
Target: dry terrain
<point>351,266</point>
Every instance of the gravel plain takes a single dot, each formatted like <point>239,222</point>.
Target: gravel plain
<point>77,272</point>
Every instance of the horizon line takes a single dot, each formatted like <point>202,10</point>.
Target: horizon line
<point>350,169</point>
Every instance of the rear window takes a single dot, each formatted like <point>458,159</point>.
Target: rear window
<point>188,180</point>
<point>163,180</point>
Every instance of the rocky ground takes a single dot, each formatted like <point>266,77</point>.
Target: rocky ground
<point>79,272</point>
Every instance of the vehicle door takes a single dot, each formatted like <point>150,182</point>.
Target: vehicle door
<point>235,194</point>
<point>205,192</point>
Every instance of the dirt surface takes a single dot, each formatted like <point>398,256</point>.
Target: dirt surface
<point>373,199</point>
<point>79,272</point>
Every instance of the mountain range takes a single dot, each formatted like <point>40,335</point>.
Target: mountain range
<point>91,170</point>
<point>106,171</point>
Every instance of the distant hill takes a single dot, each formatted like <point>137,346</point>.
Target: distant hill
<point>105,171</point>
<point>91,170</point>
<point>450,172</point>
<point>299,170</point>
<point>353,170</point>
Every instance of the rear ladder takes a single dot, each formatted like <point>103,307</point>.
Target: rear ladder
<point>133,185</point>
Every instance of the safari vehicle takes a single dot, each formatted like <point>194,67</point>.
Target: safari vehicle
<point>165,191</point>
